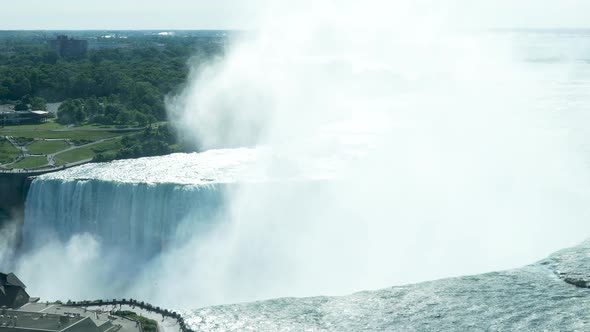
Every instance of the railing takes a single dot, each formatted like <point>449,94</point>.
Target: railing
<point>131,302</point>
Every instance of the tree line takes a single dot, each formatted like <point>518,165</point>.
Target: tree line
<point>152,141</point>
<point>107,86</point>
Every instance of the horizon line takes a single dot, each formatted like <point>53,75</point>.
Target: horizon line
<point>246,29</point>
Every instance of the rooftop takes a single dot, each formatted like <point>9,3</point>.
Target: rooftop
<point>38,320</point>
<point>74,317</point>
<point>9,279</point>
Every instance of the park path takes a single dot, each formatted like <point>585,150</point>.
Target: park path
<point>50,157</point>
<point>50,167</point>
<point>22,148</point>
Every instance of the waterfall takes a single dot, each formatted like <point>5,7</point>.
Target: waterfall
<point>109,230</point>
<point>140,218</point>
<point>138,206</point>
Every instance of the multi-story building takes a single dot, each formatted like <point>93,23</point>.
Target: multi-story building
<point>65,46</point>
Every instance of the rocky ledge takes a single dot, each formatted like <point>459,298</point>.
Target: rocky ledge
<point>551,295</point>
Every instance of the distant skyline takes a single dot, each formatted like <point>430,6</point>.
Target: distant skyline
<point>243,14</point>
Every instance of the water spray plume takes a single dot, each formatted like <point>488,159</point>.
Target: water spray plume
<point>389,145</point>
<point>450,161</point>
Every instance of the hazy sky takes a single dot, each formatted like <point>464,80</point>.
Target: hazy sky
<point>226,14</point>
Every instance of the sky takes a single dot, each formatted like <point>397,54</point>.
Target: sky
<point>242,14</point>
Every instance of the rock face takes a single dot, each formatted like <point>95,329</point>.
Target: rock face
<point>550,295</point>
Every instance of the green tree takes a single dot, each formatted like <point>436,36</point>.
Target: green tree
<point>124,117</point>
<point>140,118</point>
<point>38,103</point>
<point>20,88</point>
<point>79,115</point>
<point>20,106</point>
<point>71,111</point>
<point>50,57</point>
<point>65,112</point>
<point>4,92</point>
<point>93,108</point>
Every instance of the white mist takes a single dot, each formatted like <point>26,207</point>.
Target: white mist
<point>438,154</point>
<point>449,159</point>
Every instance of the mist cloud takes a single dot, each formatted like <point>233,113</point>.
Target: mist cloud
<point>449,163</point>
<point>443,158</point>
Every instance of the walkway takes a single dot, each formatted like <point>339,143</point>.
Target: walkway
<point>50,167</point>
<point>165,324</point>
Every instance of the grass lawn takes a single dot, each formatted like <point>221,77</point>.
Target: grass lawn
<point>86,132</point>
<point>30,162</point>
<point>73,134</point>
<point>99,126</point>
<point>47,147</point>
<point>51,124</point>
<point>47,125</point>
<point>86,152</point>
<point>7,151</point>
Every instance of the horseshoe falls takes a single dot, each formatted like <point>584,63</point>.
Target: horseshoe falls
<point>137,207</point>
<point>119,224</point>
<point>137,217</point>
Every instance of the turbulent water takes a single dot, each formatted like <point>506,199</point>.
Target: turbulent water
<point>547,296</point>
